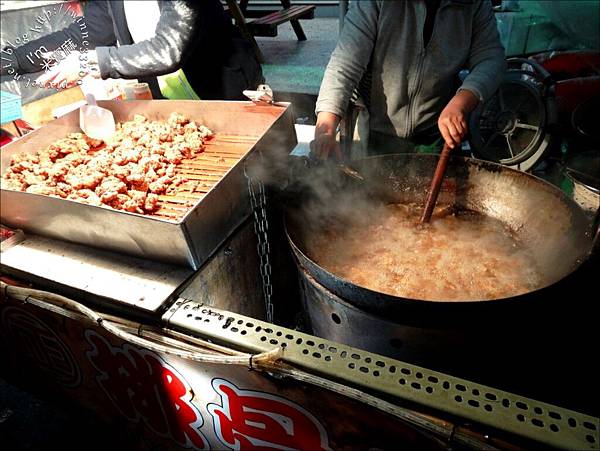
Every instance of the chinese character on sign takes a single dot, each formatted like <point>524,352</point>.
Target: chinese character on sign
<point>249,419</point>
<point>145,388</point>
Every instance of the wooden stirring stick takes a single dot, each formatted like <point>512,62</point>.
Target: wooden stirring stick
<point>436,183</point>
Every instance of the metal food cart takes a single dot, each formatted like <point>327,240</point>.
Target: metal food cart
<point>164,326</point>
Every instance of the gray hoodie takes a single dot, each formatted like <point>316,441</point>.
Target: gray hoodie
<point>410,84</point>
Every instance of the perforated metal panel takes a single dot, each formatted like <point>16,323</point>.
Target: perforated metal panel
<point>534,420</point>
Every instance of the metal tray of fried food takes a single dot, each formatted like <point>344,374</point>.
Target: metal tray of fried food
<point>188,227</point>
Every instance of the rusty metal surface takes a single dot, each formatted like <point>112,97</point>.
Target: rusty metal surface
<point>230,278</point>
<point>189,226</point>
<point>93,274</point>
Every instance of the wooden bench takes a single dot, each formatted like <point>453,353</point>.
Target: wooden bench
<point>267,25</point>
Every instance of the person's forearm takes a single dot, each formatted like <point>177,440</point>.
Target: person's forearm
<point>465,100</point>
<point>28,58</point>
<point>486,59</point>
<point>485,78</point>
<point>86,32</point>
<point>350,58</point>
<point>327,124</point>
<point>180,27</point>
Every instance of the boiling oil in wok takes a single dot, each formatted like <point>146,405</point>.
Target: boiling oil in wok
<point>460,256</point>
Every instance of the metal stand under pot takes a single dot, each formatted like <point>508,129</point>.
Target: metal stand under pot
<point>330,316</point>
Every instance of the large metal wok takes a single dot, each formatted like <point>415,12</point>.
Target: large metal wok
<point>551,224</point>
<point>548,222</point>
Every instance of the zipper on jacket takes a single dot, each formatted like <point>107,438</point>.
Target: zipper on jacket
<point>409,123</point>
<point>410,126</point>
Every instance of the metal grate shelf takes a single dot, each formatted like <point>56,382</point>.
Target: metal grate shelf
<point>218,156</point>
<point>531,419</point>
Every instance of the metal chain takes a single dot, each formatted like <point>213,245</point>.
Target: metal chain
<point>258,202</point>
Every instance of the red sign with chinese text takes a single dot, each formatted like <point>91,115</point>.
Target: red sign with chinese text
<point>143,387</point>
<point>248,419</point>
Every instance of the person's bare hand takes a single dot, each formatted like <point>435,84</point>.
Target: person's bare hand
<point>452,125</point>
<point>325,143</point>
<point>452,121</point>
<point>324,146</point>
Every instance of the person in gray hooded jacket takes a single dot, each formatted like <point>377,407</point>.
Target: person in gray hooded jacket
<point>413,52</point>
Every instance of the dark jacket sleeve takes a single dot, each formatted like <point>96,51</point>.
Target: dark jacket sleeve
<point>486,61</point>
<point>96,22</point>
<point>176,32</point>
